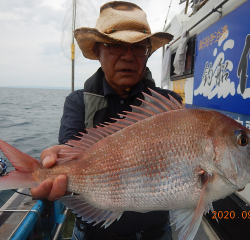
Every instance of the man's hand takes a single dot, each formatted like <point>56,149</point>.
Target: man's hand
<point>49,188</point>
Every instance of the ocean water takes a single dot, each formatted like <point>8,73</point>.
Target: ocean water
<point>30,120</point>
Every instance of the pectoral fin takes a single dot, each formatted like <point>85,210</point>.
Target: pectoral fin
<point>88,212</point>
<point>190,219</point>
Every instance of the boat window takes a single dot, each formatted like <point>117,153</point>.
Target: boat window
<point>189,64</point>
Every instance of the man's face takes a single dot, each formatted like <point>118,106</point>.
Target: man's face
<point>121,71</point>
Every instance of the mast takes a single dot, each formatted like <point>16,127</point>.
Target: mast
<point>73,46</point>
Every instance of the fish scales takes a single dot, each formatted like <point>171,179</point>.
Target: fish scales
<point>141,167</point>
<point>180,160</point>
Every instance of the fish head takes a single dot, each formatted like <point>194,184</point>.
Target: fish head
<point>232,152</point>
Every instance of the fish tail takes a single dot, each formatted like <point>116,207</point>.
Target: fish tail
<point>24,165</point>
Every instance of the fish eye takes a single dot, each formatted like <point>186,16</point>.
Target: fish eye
<point>242,140</point>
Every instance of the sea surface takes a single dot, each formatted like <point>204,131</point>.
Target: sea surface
<point>29,121</point>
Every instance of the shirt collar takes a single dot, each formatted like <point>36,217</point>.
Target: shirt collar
<point>108,90</point>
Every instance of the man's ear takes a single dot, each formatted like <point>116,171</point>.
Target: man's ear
<point>96,50</point>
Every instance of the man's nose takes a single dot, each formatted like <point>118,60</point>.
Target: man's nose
<point>128,54</point>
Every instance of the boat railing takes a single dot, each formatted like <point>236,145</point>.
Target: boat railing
<point>26,220</point>
<point>22,218</point>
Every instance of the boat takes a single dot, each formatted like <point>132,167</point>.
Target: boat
<point>207,63</point>
<point>214,41</point>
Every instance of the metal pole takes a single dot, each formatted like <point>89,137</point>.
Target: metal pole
<point>207,15</point>
<point>187,2</point>
<point>61,223</point>
<point>73,46</point>
<point>167,15</point>
<point>73,75</point>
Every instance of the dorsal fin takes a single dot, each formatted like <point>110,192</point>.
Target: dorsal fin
<point>151,105</point>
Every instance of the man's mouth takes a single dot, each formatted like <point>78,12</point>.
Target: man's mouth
<point>126,70</point>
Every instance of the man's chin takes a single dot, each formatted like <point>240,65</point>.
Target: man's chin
<point>128,84</point>
<point>128,81</point>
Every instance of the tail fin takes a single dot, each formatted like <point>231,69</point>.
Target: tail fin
<point>24,164</point>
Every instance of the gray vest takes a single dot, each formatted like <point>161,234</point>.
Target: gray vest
<point>93,103</point>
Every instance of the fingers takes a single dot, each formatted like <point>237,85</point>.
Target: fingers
<point>51,189</point>
<point>49,155</point>
<point>43,190</point>
<point>59,188</point>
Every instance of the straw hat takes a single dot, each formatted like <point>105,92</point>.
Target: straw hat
<point>119,21</point>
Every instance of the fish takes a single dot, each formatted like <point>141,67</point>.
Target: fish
<point>160,156</point>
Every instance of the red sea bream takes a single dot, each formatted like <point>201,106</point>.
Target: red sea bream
<point>160,157</point>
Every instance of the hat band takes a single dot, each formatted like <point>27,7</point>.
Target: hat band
<point>112,30</point>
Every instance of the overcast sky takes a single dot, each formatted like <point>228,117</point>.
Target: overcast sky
<point>31,40</point>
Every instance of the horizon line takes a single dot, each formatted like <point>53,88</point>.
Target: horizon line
<point>42,87</point>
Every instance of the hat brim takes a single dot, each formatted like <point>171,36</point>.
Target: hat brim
<point>87,37</point>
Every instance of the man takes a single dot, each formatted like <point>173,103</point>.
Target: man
<point>122,42</point>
